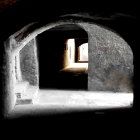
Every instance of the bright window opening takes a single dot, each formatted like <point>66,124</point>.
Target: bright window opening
<point>83,52</point>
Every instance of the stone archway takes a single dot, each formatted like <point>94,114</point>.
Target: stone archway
<point>110,57</point>
<point>83,52</point>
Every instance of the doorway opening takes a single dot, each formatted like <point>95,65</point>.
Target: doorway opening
<point>63,62</point>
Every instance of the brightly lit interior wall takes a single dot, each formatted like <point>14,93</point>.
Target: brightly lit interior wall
<point>71,50</point>
<point>82,50</point>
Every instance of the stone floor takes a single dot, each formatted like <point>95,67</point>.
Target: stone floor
<point>61,101</point>
<point>88,99</point>
<point>77,68</point>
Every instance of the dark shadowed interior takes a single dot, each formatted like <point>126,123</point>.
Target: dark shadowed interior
<point>52,64</point>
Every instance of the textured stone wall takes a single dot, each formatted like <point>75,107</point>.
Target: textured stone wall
<point>110,61</point>
<point>28,62</point>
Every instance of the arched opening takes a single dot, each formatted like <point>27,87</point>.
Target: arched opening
<point>59,46</point>
<point>83,53</point>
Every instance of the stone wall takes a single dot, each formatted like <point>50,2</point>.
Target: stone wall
<point>110,61</point>
<point>29,64</point>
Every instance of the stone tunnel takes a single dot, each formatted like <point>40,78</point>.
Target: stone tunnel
<point>43,58</point>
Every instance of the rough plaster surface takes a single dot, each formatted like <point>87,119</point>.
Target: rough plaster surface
<point>28,63</point>
<point>110,60</point>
